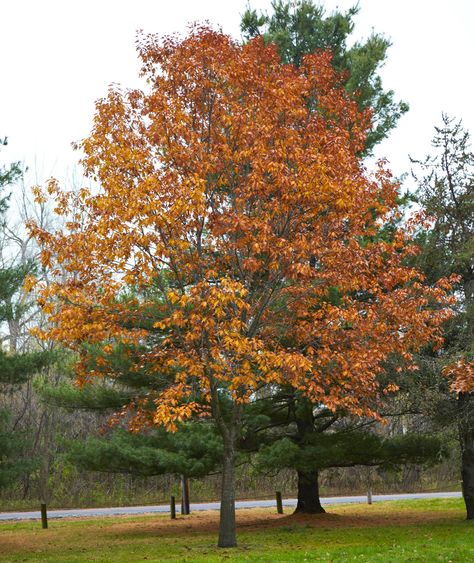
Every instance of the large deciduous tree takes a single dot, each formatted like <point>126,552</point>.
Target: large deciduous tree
<point>232,185</point>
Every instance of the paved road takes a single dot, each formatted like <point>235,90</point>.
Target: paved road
<point>98,512</point>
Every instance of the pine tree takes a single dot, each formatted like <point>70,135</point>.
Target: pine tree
<point>15,367</point>
<point>446,194</point>
<point>290,432</point>
<point>194,450</point>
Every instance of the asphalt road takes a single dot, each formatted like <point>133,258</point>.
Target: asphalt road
<point>124,510</point>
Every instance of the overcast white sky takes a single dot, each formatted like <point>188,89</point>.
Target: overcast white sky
<point>58,56</point>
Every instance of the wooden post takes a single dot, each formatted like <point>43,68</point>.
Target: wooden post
<point>279,503</point>
<point>173,508</point>
<point>44,517</point>
<point>188,503</point>
<point>369,484</point>
<point>185,508</point>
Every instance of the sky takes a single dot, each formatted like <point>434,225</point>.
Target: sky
<point>57,57</point>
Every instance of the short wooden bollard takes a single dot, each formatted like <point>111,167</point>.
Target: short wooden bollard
<point>279,503</point>
<point>185,507</point>
<point>44,517</point>
<point>173,508</point>
<point>369,496</point>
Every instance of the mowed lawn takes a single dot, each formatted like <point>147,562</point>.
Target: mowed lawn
<point>426,530</point>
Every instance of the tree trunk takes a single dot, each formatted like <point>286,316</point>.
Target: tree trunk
<point>466,438</point>
<point>229,428</point>
<point>308,494</point>
<point>227,532</point>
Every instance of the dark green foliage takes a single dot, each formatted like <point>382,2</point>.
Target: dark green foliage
<point>303,27</point>
<point>90,397</point>
<point>13,458</point>
<point>122,362</point>
<point>314,438</point>
<point>446,194</point>
<point>8,175</point>
<point>195,450</point>
<point>346,449</point>
<point>289,432</point>
<point>11,280</point>
<point>15,368</point>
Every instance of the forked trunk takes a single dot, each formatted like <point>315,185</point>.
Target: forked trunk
<point>308,493</point>
<point>466,438</point>
<point>227,531</point>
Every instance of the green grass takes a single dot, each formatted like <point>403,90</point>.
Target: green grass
<point>427,530</point>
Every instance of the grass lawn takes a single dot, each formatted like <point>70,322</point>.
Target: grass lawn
<point>424,530</point>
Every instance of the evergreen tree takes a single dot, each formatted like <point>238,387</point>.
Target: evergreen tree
<point>446,194</point>
<point>299,28</point>
<point>13,457</point>
<point>194,450</point>
<point>8,175</point>
<point>288,431</point>
<point>15,367</point>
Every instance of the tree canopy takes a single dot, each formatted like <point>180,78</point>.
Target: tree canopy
<point>225,191</point>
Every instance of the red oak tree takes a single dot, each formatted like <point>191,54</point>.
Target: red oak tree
<point>232,185</point>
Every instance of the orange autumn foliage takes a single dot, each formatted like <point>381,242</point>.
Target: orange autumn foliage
<point>461,375</point>
<point>233,184</point>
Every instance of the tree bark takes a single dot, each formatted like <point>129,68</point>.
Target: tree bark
<point>229,428</point>
<point>227,530</point>
<point>308,494</point>
<point>466,438</point>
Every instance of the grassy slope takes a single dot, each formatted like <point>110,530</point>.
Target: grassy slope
<point>433,530</point>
